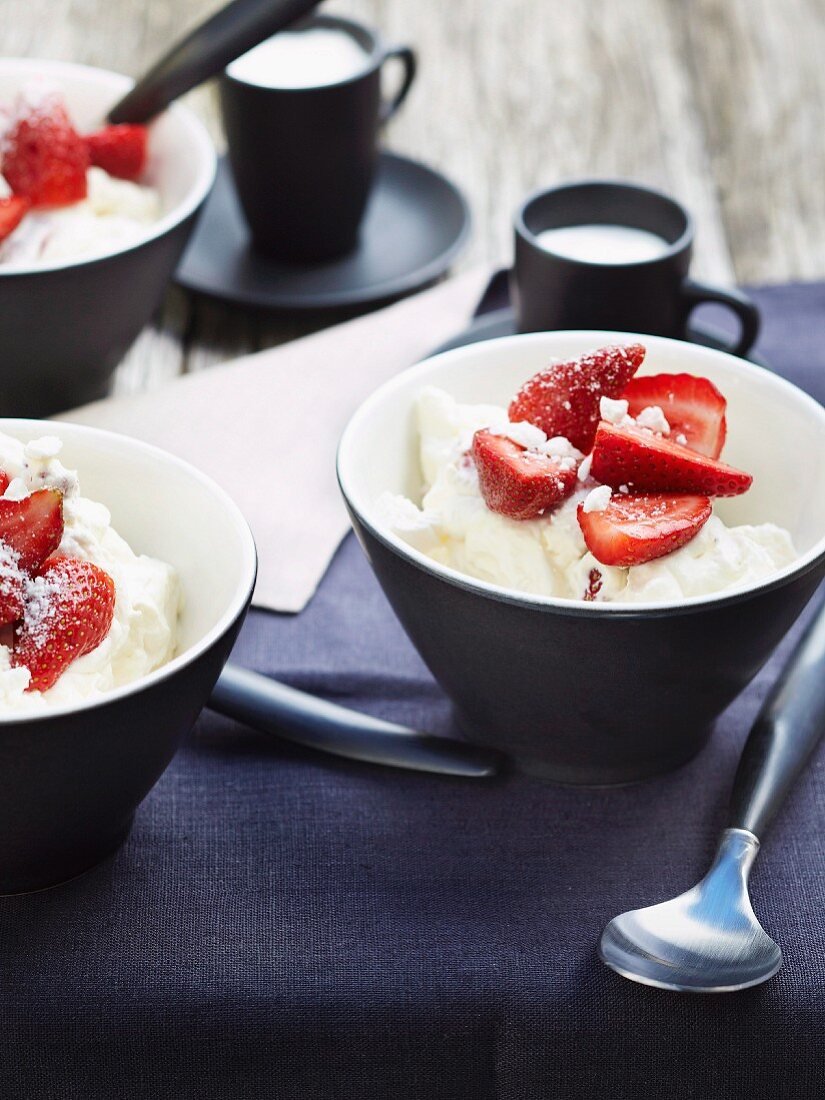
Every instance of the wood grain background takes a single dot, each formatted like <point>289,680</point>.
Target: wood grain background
<point>718,101</point>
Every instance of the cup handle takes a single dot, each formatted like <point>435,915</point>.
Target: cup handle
<point>409,63</point>
<point>694,293</point>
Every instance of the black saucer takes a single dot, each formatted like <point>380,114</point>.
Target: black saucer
<point>415,225</point>
<point>502,322</point>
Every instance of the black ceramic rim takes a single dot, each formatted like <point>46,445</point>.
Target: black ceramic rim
<point>684,238</point>
<point>204,52</point>
<point>375,55</point>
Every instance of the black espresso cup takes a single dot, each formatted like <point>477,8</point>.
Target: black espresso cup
<point>557,288</point>
<point>304,158</point>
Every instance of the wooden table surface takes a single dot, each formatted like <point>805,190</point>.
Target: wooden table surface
<point>718,101</point>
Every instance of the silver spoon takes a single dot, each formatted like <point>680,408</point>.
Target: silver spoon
<point>708,940</point>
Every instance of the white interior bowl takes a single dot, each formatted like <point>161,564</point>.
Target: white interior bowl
<point>775,432</point>
<point>167,509</point>
<point>181,163</point>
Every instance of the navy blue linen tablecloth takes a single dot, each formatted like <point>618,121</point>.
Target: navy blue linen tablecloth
<point>281,924</point>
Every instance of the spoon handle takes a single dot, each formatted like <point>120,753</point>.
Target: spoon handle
<point>205,52</point>
<point>275,708</point>
<point>788,729</point>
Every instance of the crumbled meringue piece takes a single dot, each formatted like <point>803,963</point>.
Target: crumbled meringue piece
<point>615,412</point>
<point>654,420</point>
<point>597,499</point>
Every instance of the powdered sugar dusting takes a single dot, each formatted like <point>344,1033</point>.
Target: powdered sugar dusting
<point>43,596</point>
<point>11,578</point>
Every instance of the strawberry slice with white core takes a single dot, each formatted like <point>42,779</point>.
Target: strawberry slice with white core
<point>693,407</point>
<point>633,457</point>
<point>69,610</point>
<point>563,399</point>
<point>637,527</point>
<point>517,482</point>
<point>32,527</point>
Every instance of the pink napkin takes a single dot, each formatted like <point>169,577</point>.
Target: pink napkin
<point>266,426</point>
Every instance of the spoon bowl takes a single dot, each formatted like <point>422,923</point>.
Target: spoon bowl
<point>707,940</point>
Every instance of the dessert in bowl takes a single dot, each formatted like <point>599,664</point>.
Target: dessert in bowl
<point>580,637</point>
<point>120,634</point>
<point>93,220</point>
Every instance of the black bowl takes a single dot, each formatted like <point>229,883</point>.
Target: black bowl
<point>65,326</point>
<point>71,777</point>
<point>586,692</point>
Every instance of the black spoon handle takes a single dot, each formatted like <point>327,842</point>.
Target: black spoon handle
<point>206,52</point>
<point>272,707</point>
<point>788,729</point>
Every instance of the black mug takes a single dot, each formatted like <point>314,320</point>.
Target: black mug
<point>551,290</point>
<point>304,158</point>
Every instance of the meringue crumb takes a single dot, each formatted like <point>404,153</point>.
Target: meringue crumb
<point>597,499</point>
<point>615,412</point>
<point>16,489</point>
<point>653,419</point>
<point>526,434</point>
<point>47,446</point>
<point>584,468</point>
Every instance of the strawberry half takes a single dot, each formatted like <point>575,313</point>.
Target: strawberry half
<point>119,150</point>
<point>12,212</point>
<point>68,615</point>
<point>12,587</point>
<point>33,527</point>
<point>563,399</point>
<point>638,527</point>
<point>44,158</point>
<point>518,483</point>
<point>692,406</point>
<point>649,463</point>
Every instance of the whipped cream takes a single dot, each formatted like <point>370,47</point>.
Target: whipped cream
<point>114,213</point>
<point>547,556</point>
<point>143,633</point>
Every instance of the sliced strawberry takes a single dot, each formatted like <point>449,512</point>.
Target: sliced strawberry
<point>4,481</point>
<point>563,399</point>
<point>119,150</point>
<point>516,482</point>
<point>12,212</point>
<point>649,463</point>
<point>638,527</point>
<point>44,158</point>
<point>693,407</point>
<point>33,527</point>
<point>68,614</point>
<point>12,587</point>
